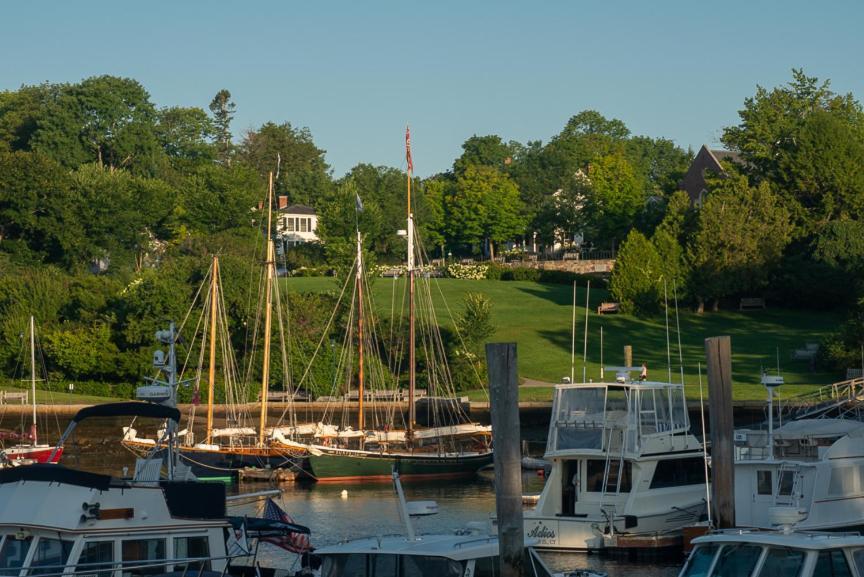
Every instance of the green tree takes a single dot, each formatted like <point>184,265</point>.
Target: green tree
<point>807,141</point>
<point>185,134</point>
<point>485,207</point>
<point>616,196</point>
<point>636,281</point>
<point>223,109</point>
<point>103,119</point>
<point>488,151</point>
<point>740,235</point>
<point>303,175</point>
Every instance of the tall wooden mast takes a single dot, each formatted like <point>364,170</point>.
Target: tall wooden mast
<point>268,305</point>
<point>361,424</point>
<point>211,381</point>
<point>412,362</point>
<point>33,377</point>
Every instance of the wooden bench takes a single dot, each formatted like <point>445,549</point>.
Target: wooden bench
<point>751,303</point>
<point>7,396</point>
<point>608,308</point>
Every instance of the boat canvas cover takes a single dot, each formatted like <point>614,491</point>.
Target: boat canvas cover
<point>128,409</point>
<point>50,473</point>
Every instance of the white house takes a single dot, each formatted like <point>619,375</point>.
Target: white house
<point>295,224</point>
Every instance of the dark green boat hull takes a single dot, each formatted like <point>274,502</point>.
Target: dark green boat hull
<point>345,466</point>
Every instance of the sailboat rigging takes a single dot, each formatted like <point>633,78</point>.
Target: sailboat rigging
<point>450,446</point>
<point>28,449</point>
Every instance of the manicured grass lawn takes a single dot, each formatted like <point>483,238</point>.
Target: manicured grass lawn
<point>56,398</point>
<point>538,318</point>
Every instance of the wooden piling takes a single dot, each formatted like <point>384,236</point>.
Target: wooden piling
<point>504,400</point>
<point>628,356</point>
<point>718,354</point>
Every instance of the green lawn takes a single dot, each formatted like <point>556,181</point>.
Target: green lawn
<point>54,398</point>
<point>538,317</point>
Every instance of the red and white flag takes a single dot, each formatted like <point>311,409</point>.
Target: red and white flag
<point>408,149</point>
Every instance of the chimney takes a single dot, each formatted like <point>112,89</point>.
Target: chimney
<point>283,202</point>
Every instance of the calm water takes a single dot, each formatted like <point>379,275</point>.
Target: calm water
<point>367,509</point>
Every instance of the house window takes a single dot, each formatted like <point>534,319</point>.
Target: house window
<point>289,224</point>
<point>764,485</point>
<point>304,225</point>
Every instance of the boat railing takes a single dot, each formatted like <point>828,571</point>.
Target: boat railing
<point>190,566</point>
<point>477,541</point>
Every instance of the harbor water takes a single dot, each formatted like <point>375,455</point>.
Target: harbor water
<point>365,510</point>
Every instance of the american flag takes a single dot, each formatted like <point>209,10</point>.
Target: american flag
<point>408,149</point>
<point>294,542</point>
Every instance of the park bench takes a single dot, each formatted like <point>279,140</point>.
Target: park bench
<point>571,256</point>
<point>608,308</point>
<point>7,396</point>
<point>751,303</point>
<point>808,353</point>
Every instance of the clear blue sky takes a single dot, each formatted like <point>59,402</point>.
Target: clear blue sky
<point>355,72</point>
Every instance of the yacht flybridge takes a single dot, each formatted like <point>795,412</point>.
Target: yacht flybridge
<point>624,465</point>
<point>60,521</point>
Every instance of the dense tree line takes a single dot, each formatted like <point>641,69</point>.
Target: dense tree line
<point>111,206</point>
<point>785,222</point>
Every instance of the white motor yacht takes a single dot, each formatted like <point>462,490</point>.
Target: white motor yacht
<point>60,521</point>
<point>759,553</point>
<point>624,465</point>
<point>809,472</point>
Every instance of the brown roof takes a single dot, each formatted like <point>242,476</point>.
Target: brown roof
<point>705,160</point>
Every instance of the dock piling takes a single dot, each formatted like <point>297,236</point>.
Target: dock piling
<point>504,401</point>
<point>718,354</point>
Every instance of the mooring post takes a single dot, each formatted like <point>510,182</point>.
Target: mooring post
<point>504,397</point>
<point>628,356</point>
<point>718,355</point>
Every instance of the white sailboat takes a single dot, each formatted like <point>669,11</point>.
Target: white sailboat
<point>28,449</point>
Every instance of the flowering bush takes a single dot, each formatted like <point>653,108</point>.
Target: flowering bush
<point>467,271</point>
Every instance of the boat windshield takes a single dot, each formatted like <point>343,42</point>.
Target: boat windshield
<point>603,416</point>
<point>13,553</point>
<point>388,565</point>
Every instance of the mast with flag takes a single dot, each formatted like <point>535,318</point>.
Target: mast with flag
<point>412,365</point>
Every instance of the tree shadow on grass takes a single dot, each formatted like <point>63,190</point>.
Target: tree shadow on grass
<point>562,295</point>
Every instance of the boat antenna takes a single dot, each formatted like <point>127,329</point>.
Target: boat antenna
<point>573,338</point>
<point>678,330</point>
<point>602,375</point>
<point>778,359</point>
<point>704,446</point>
<point>668,347</point>
<point>585,336</point>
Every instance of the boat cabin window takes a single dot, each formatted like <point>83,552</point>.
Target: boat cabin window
<point>700,561</point>
<point>787,481</point>
<point>737,560</point>
<point>486,567</point>
<point>50,556</point>
<point>13,553</point>
<point>96,558</point>
<point>783,562</point>
<point>678,473</point>
<point>192,548</point>
<point>362,565</point>
<point>384,565</point>
<point>858,556</point>
<point>139,556</point>
<point>596,470</point>
<point>843,480</point>
<point>832,564</point>
<point>764,483</point>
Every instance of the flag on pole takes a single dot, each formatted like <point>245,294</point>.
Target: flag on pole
<point>358,202</point>
<point>408,149</point>
<point>294,542</point>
